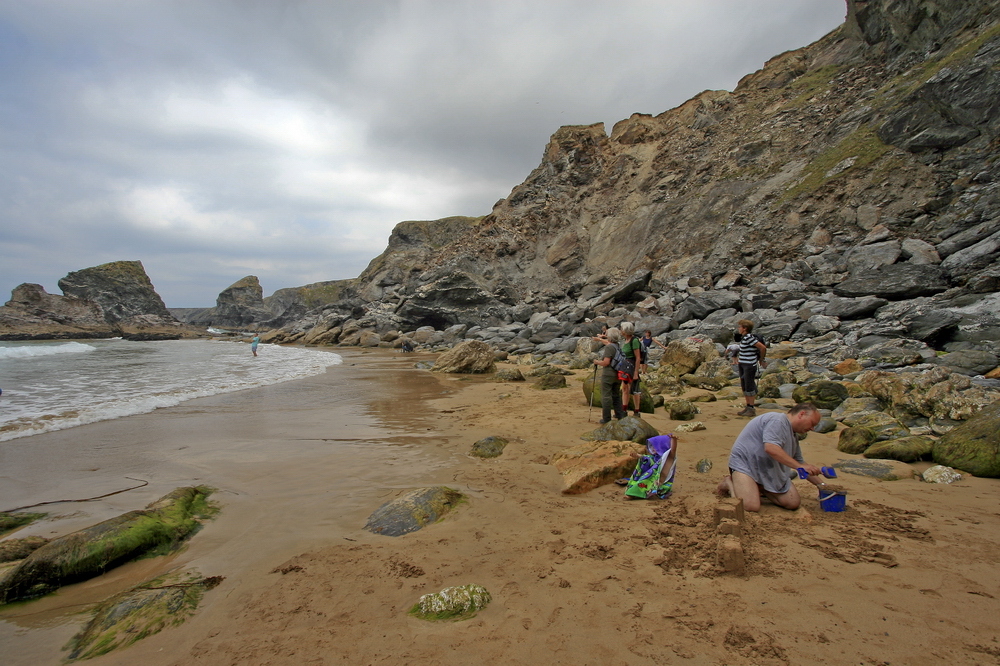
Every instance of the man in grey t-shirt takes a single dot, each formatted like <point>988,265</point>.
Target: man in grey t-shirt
<point>764,455</point>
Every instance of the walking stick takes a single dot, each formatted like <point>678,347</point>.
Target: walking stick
<point>593,385</point>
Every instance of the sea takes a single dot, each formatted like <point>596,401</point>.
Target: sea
<point>54,385</point>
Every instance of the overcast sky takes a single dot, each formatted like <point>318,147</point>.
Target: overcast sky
<point>214,139</point>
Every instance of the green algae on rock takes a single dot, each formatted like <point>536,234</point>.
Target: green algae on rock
<point>855,440</point>
<point>89,552</point>
<point>412,511</point>
<point>142,611</point>
<point>628,429</point>
<point>904,449</point>
<point>488,447</point>
<point>11,521</point>
<point>974,446</point>
<point>452,603</point>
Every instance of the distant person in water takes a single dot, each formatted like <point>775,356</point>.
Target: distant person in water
<point>253,344</point>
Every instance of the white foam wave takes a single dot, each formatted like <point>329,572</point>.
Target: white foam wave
<point>171,374</point>
<point>34,351</point>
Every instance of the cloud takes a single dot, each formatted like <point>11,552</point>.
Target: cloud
<point>285,139</point>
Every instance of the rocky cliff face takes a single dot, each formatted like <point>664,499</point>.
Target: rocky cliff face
<point>108,300</point>
<point>864,165</point>
<point>122,290</point>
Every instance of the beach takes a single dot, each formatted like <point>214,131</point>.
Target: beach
<point>905,575</point>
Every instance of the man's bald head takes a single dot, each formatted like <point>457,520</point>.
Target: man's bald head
<point>804,417</point>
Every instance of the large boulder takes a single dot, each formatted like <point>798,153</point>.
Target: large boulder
<point>239,305</point>
<point>699,306</point>
<point>92,551</point>
<point>628,429</point>
<point>468,357</point>
<point>904,449</point>
<point>974,446</point>
<point>597,463</point>
<point>684,356</point>
<point>894,282</point>
<point>855,440</point>
<point>413,511</point>
<point>934,393</point>
<point>968,362</point>
<point>824,394</point>
<point>884,426</point>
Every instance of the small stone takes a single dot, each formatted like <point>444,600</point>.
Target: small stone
<point>940,474</point>
<point>452,603</point>
<point>703,466</point>
<point>690,427</point>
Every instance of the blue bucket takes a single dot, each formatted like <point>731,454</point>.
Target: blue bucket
<point>833,501</point>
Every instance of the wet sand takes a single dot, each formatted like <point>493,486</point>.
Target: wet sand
<point>905,575</point>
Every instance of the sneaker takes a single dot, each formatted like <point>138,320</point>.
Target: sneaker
<point>750,411</point>
<point>603,421</point>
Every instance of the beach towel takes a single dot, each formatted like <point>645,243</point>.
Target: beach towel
<point>651,478</point>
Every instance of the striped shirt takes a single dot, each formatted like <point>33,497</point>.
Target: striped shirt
<point>748,349</point>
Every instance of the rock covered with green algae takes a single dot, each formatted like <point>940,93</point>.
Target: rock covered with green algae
<point>92,551</point>
<point>452,603</point>
<point>142,611</point>
<point>974,446</point>
<point>855,440</point>
<point>412,511</point>
<point>628,429</point>
<point>488,447</point>
<point>904,449</point>
<point>824,394</point>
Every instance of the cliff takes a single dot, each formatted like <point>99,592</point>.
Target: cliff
<point>863,164</point>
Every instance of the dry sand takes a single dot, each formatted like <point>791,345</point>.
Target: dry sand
<point>907,575</point>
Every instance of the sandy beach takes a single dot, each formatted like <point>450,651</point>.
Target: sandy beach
<point>905,576</point>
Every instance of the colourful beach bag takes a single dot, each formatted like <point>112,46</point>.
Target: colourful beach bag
<point>651,478</point>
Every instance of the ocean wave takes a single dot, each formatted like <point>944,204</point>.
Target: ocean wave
<point>34,351</point>
<point>121,383</point>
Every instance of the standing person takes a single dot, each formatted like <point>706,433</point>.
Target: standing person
<point>611,396</point>
<point>752,351</point>
<point>632,349</point>
<point>765,455</point>
<point>253,344</point>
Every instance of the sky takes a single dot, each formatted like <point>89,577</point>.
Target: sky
<point>214,139</point>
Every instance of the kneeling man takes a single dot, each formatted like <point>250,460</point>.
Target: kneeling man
<point>765,456</point>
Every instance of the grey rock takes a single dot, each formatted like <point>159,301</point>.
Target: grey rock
<point>969,362</point>
<point>412,511</point>
<point>853,308</point>
<point>894,282</point>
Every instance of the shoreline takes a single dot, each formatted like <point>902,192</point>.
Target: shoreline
<point>591,578</point>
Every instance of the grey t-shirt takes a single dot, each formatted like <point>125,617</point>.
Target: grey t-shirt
<point>749,457</point>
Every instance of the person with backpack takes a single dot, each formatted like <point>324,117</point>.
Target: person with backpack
<point>632,349</point>
<point>611,397</point>
<point>751,353</point>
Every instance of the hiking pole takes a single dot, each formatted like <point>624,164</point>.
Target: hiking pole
<point>593,385</point>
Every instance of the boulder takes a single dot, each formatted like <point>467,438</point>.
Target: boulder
<point>884,426</point>
<point>855,440</point>
<point>699,306</point>
<point>681,410</point>
<point>550,381</point>
<point>468,357</point>
<point>853,308</point>
<point>488,447</point>
<point>974,446</point>
<point>139,612</point>
<point>824,394</point>
<point>683,356</point>
<point>934,393</point>
<point>883,470</point>
<point>826,424</point>
<point>413,511</point>
<point>596,463</point>
<point>852,406</point>
<point>904,449</point>
<point>894,282</point>
<point>92,551</point>
<point>239,305</point>
<point>940,474</point>
<point>452,603</point>
<point>628,429</point>
<point>848,366</point>
<point>509,375</point>
<point>968,362</point>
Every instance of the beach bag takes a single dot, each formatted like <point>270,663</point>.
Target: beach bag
<point>651,480</point>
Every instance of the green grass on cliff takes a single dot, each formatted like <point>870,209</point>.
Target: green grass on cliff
<point>862,145</point>
<point>812,83</point>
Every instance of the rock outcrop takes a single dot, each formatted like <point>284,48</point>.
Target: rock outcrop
<point>239,305</point>
<point>115,299</point>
